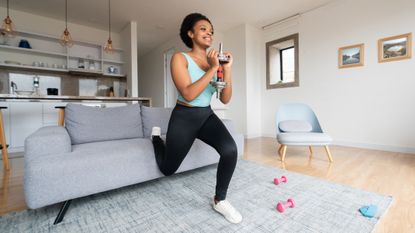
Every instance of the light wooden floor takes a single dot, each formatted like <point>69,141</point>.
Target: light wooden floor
<point>376,171</point>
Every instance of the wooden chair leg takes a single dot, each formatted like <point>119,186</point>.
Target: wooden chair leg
<point>61,116</point>
<point>279,150</point>
<point>5,188</point>
<point>283,165</point>
<point>328,153</point>
<point>311,151</point>
<point>3,144</point>
<point>284,150</point>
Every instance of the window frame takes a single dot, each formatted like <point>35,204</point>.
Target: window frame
<point>268,45</point>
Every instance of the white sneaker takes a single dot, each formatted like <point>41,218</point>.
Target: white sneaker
<point>156,131</point>
<point>227,210</point>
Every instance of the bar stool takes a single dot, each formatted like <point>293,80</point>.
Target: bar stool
<point>61,115</point>
<point>3,145</point>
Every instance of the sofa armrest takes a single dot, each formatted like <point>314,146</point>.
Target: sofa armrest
<point>239,138</point>
<point>47,140</point>
<point>229,125</point>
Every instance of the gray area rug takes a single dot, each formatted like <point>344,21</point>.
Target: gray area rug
<point>182,203</point>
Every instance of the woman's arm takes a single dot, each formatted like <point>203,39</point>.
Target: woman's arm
<point>182,80</point>
<point>226,94</point>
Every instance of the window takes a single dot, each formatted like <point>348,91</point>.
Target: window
<point>282,62</point>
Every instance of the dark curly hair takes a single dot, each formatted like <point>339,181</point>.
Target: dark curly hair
<point>187,25</point>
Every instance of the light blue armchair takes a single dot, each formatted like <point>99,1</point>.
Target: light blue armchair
<point>297,125</point>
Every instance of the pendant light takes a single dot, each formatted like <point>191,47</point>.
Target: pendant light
<point>108,48</point>
<point>8,26</point>
<point>66,39</point>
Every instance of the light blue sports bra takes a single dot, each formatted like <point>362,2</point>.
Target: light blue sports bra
<point>195,72</point>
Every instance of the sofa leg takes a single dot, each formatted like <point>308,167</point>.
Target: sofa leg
<point>62,212</point>
<point>311,151</point>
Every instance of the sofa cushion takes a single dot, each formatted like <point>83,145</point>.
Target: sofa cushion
<point>92,124</point>
<point>155,117</point>
<point>304,139</point>
<point>295,126</point>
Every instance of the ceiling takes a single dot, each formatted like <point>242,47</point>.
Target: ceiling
<point>159,20</point>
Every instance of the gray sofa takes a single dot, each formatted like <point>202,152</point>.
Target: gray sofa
<point>100,149</point>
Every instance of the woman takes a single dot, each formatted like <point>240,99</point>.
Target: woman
<point>192,116</point>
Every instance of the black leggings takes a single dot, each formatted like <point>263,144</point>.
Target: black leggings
<point>185,125</point>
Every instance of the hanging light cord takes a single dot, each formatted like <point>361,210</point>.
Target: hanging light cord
<point>109,18</point>
<point>66,14</point>
<point>7,7</point>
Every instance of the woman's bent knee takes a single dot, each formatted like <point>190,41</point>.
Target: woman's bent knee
<point>230,152</point>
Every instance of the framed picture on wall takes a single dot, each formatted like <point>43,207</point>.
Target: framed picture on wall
<point>395,48</point>
<point>351,56</point>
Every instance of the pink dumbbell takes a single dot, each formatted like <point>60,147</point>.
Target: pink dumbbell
<point>282,206</point>
<point>282,179</point>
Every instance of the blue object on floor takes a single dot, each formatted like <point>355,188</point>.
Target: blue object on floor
<point>369,211</point>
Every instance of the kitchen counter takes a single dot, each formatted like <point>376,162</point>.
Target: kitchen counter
<point>37,98</point>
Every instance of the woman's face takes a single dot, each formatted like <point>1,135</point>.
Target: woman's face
<point>202,34</point>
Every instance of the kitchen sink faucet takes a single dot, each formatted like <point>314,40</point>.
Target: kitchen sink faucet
<point>36,84</point>
<point>13,85</point>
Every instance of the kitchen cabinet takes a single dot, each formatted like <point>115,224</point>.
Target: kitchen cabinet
<point>46,53</point>
<point>25,118</point>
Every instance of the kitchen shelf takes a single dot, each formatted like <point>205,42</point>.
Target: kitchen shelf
<point>87,43</point>
<point>32,67</point>
<point>115,75</point>
<point>85,58</point>
<point>85,71</point>
<point>38,35</point>
<point>113,61</point>
<point>25,50</point>
<point>116,50</point>
<point>71,70</point>
<point>48,50</point>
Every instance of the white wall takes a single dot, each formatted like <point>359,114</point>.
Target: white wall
<point>254,74</point>
<point>53,27</point>
<point>129,41</point>
<point>151,71</point>
<point>235,41</point>
<point>370,106</point>
<point>274,97</point>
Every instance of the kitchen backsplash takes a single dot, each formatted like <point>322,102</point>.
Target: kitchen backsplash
<point>71,85</point>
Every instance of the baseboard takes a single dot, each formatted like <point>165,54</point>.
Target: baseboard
<point>400,149</point>
<point>15,152</point>
<point>249,136</point>
<point>266,135</point>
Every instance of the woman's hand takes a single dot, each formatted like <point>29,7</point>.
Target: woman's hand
<point>228,64</point>
<point>226,95</point>
<point>213,60</point>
